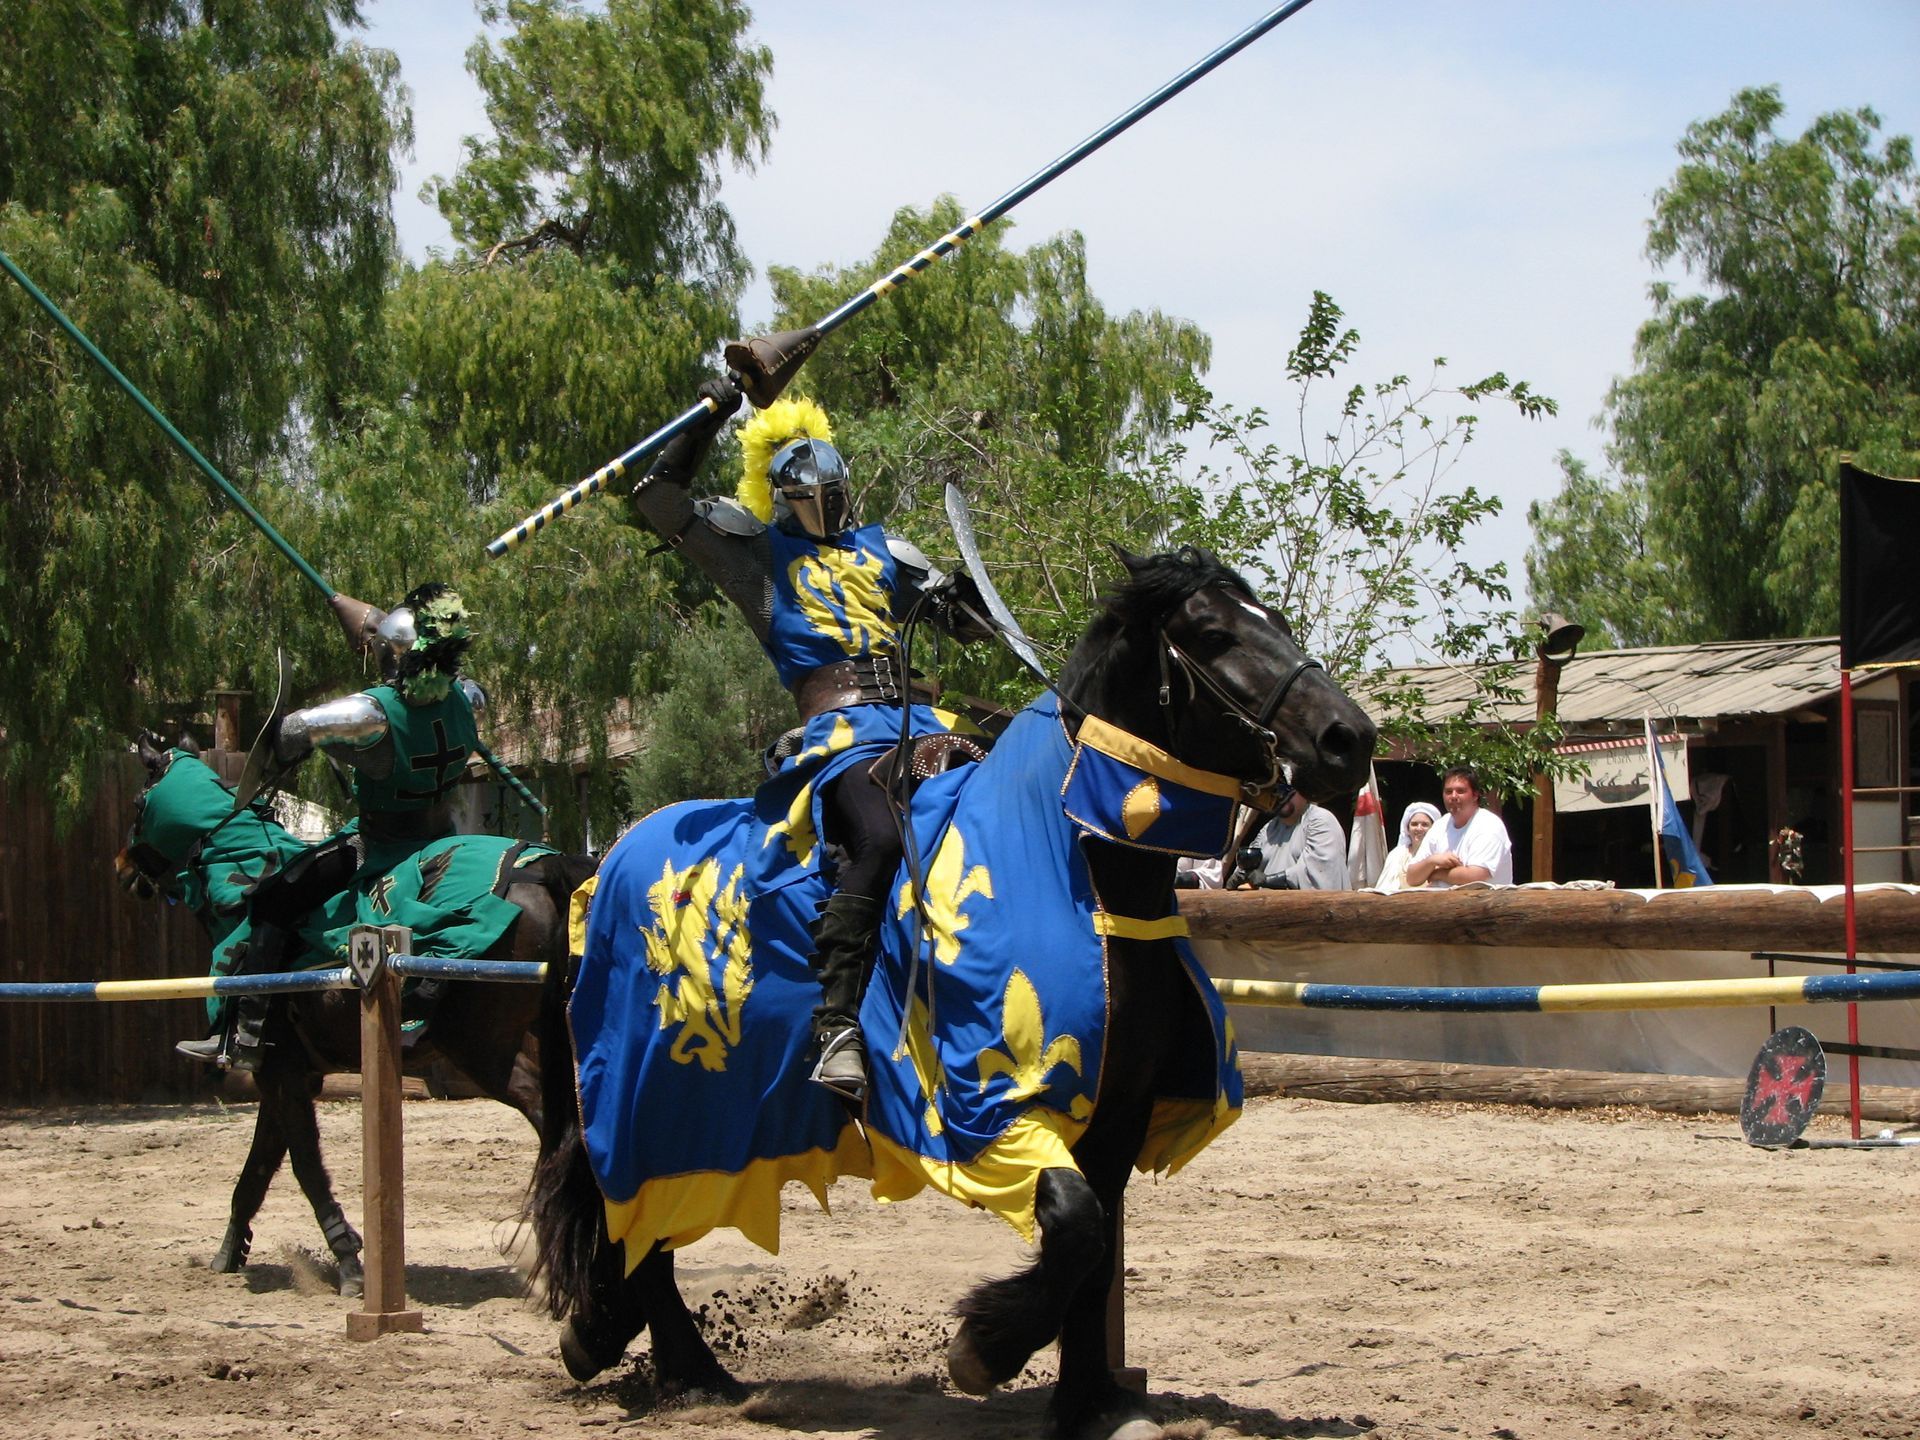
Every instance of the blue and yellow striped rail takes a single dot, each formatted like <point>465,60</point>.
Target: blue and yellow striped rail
<point>184,987</point>
<point>900,274</point>
<point>1455,999</point>
<point>296,982</point>
<point>1550,999</point>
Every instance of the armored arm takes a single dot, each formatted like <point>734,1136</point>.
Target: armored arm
<point>476,697</point>
<point>718,536</point>
<point>662,499</point>
<point>946,594</point>
<point>352,727</point>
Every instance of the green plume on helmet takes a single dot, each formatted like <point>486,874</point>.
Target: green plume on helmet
<point>441,636</point>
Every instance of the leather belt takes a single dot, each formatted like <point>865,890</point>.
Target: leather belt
<point>864,680</point>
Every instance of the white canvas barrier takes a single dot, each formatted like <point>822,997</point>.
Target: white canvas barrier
<point>1718,1042</point>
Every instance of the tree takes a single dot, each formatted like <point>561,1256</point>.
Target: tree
<point>1354,531</point>
<point>719,708</point>
<point>596,272</point>
<point>205,192</point>
<point>1803,346</point>
<point>1592,560</point>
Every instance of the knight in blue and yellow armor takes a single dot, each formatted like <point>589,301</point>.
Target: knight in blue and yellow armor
<point>826,598</point>
<point>406,744</point>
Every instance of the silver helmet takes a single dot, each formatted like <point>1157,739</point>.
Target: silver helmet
<point>397,631</point>
<point>809,482</point>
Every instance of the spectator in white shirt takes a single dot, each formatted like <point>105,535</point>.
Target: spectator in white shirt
<point>1472,844</point>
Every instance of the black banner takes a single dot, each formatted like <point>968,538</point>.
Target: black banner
<point>1879,548</point>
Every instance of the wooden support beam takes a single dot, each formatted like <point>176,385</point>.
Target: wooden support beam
<point>1723,918</point>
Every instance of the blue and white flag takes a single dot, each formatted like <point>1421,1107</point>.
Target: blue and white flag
<point>1674,843</point>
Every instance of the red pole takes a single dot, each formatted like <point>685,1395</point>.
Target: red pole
<point>1846,858</point>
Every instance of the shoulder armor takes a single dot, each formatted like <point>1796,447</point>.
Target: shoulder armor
<point>476,697</point>
<point>352,721</point>
<point>729,516</point>
<point>915,559</point>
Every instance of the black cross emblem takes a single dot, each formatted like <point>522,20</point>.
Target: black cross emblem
<point>443,765</point>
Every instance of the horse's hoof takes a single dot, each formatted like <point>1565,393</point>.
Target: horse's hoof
<point>1138,1428</point>
<point>231,1257</point>
<point>965,1368</point>
<point>581,1362</point>
<point>353,1279</point>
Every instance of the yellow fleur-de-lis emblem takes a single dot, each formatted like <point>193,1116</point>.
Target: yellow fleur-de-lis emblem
<point>1029,1057</point>
<point>1141,807</point>
<point>699,929</point>
<point>950,884</point>
<point>926,1062</point>
<point>840,596</point>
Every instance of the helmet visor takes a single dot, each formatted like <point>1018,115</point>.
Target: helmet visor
<point>810,478</point>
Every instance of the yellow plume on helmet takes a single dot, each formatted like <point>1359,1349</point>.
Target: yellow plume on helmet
<point>762,437</point>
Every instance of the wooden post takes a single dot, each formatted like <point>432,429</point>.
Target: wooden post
<point>1546,694</point>
<point>226,721</point>
<point>1133,1377</point>
<point>383,1221</point>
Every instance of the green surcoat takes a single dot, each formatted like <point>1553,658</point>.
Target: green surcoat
<point>431,747</point>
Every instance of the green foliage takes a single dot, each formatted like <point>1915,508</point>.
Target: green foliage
<point>1351,528</point>
<point>211,203</point>
<point>207,198</point>
<point>609,128</point>
<point>1804,346</point>
<point>720,707</point>
<point>597,273</point>
<point>1592,560</point>
<point>1069,429</point>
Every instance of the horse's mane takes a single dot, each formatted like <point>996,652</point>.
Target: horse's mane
<point>1155,586</point>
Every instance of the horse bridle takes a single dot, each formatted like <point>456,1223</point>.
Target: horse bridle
<point>1257,723</point>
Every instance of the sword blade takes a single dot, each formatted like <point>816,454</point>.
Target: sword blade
<point>1015,639</point>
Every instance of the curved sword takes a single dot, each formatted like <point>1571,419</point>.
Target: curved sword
<point>1008,628</point>
<point>260,770</point>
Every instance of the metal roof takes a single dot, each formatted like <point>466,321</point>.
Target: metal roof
<point>1605,688</point>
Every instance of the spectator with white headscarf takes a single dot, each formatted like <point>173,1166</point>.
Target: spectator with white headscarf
<point>1415,821</point>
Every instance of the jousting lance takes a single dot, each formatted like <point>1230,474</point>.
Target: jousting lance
<point>764,366</point>
<point>356,617</point>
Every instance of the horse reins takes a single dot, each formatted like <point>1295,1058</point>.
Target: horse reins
<point>1257,723</point>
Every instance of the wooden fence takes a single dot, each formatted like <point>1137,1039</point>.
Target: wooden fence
<point>63,916</point>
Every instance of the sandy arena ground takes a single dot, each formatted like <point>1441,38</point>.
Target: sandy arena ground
<point>1324,1270</point>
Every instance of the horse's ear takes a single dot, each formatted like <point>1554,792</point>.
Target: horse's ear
<point>151,750</point>
<point>1134,563</point>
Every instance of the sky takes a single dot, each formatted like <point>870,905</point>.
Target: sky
<point>1470,180</point>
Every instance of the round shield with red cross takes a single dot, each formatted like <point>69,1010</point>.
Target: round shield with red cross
<point>1783,1088</point>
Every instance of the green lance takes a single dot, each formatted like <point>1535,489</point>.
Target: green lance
<point>356,617</point>
<point>764,366</point>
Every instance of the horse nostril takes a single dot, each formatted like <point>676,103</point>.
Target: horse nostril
<point>1338,742</point>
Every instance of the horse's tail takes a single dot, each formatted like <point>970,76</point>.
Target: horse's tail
<point>563,1202</point>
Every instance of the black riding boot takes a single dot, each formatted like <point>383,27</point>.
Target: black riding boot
<point>239,1044</point>
<point>842,952</point>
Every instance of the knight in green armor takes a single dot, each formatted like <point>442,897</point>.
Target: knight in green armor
<point>406,743</point>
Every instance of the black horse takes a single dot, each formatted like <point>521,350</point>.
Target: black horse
<point>1186,658</point>
<point>484,1031</point>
